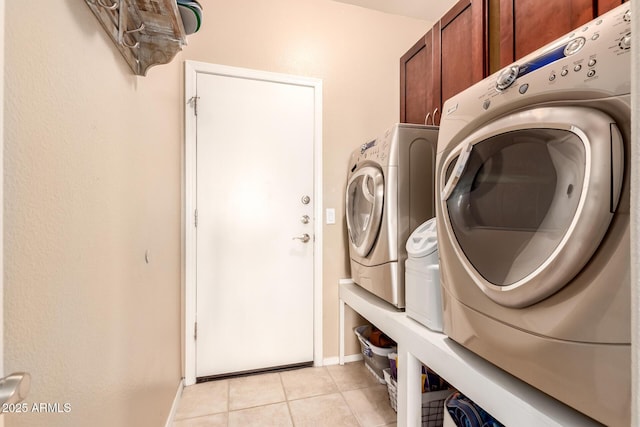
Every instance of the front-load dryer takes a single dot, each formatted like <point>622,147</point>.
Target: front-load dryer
<point>389,192</point>
<point>533,218</point>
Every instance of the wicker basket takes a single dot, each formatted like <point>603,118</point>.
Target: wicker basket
<point>432,402</point>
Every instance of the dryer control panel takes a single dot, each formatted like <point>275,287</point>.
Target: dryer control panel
<point>591,61</point>
<point>573,44</point>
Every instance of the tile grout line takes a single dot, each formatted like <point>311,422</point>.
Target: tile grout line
<point>350,408</point>
<point>344,398</point>
<point>228,399</point>
<point>286,399</point>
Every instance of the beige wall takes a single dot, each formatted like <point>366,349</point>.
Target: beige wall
<point>92,174</point>
<point>355,52</point>
<point>92,181</point>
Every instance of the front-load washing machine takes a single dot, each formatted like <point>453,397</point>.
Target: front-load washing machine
<point>533,218</point>
<point>390,191</point>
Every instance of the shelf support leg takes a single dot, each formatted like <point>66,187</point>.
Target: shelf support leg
<point>409,389</point>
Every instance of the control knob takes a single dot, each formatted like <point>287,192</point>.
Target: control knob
<point>507,77</point>
<point>625,42</point>
<point>574,46</point>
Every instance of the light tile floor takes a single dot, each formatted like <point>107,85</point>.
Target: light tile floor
<point>332,396</point>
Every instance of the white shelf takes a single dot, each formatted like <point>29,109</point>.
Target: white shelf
<point>508,399</point>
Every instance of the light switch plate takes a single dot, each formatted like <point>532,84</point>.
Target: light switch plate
<point>331,216</point>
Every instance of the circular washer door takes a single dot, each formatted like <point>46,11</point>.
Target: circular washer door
<point>364,201</point>
<point>529,198</point>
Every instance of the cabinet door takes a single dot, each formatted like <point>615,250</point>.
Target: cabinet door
<point>526,25</point>
<point>606,5</point>
<point>462,40</point>
<point>417,81</point>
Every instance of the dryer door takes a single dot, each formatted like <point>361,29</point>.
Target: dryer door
<point>529,198</point>
<point>364,201</point>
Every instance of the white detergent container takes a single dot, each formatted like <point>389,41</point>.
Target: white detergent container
<point>422,277</point>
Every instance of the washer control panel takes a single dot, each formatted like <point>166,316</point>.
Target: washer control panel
<point>594,58</point>
<point>376,151</point>
<point>384,151</point>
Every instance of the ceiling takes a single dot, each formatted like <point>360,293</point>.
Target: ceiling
<point>428,10</point>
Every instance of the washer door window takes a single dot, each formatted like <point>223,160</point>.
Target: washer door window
<point>364,200</point>
<point>530,199</point>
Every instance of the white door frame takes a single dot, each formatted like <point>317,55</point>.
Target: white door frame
<point>191,70</point>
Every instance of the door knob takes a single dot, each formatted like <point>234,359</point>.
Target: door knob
<point>15,387</point>
<point>304,238</point>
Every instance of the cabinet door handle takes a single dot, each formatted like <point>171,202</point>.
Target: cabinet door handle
<point>426,119</point>
<point>434,117</point>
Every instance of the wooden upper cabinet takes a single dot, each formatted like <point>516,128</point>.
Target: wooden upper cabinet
<point>463,43</point>
<point>417,81</point>
<point>527,25</point>
<point>452,56</point>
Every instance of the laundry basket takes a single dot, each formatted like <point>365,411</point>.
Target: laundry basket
<point>375,358</point>
<point>463,411</point>
<point>432,402</point>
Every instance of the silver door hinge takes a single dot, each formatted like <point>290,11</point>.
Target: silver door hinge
<point>195,331</point>
<point>195,218</point>
<point>193,101</point>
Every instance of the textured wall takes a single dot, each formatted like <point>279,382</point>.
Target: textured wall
<point>356,52</point>
<point>92,167</point>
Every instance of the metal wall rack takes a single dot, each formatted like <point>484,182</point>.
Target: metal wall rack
<point>146,32</point>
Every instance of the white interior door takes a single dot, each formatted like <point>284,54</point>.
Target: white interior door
<point>255,203</point>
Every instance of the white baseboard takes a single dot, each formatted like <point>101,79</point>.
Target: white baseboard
<point>336,360</point>
<point>174,406</point>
